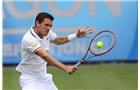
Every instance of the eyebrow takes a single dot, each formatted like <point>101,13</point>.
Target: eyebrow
<point>48,25</point>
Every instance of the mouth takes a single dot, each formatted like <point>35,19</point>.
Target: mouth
<point>46,33</point>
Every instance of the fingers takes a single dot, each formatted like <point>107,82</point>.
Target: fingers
<point>87,36</point>
<point>72,69</point>
<point>85,28</point>
<point>83,33</point>
<point>78,31</point>
<point>89,31</point>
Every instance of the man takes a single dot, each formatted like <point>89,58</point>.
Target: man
<point>35,48</point>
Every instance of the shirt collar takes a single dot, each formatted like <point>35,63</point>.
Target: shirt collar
<point>34,34</point>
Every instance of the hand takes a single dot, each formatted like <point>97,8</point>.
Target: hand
<point>71,69</point>
<point>84,32</point>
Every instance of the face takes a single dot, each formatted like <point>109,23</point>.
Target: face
<point>44,27</point>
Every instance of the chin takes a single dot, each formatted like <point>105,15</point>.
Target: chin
<point>46,34</point>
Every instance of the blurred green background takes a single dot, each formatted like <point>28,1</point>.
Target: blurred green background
<point>122,76</point>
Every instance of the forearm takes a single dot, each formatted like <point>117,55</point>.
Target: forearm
<point>54,62</point>
<point>48,58</point>
<point>65,39</point>
<point>62,40</point>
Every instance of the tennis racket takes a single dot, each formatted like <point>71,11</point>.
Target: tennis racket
<point>109,40</point>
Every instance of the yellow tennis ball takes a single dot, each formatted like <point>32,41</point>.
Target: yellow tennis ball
<point>99,44</point>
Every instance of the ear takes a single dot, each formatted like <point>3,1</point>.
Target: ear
<point>37,23</point>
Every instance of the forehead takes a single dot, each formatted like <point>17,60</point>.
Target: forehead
<point>47,20</point>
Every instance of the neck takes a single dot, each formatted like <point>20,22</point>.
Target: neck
<point>36,30</point>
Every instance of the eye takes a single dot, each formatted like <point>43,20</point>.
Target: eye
<point>48,25</point>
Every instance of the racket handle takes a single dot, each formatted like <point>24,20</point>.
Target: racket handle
<point>78,63</point>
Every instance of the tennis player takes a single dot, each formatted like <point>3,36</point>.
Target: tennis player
<point>35,54</point>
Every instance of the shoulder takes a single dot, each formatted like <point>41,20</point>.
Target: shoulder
<point>51,32</point>
<point>52,35</point>
<point>28,37</point>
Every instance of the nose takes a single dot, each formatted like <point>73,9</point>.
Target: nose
<point>48,27</point>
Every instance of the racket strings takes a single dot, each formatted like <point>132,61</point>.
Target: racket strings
<point>108,40</point>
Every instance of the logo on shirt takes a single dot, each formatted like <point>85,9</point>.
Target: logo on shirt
<point>34,45</point>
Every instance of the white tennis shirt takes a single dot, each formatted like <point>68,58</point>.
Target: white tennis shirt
<point>32,64</point>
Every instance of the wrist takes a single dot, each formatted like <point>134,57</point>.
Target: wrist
<point>72,37</point>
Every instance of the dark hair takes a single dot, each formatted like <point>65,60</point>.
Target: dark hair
<point>40,17</point>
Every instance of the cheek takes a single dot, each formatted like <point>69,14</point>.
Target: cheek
<point>41,29</point>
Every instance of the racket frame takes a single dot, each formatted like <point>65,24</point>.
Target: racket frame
<point>83,60</point>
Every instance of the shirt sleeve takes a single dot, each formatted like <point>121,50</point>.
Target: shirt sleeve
<point>31,44</point>
<point>52,35</point>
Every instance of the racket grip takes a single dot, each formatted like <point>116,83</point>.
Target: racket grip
<point>78,64</point>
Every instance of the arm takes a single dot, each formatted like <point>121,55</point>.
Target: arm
<point>79,34</point>
<point>48,58</point>
<point>61,40</point>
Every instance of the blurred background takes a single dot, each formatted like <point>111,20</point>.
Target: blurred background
<point>119,16</point>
